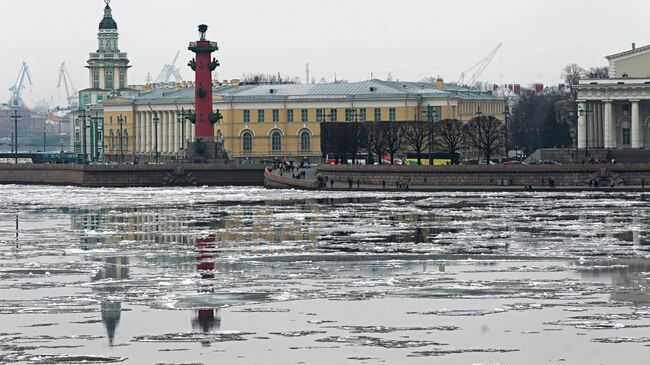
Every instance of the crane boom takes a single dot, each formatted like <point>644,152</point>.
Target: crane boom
<point>168,71</point>
<point>479,67</point>
<point>70,91</point>
<point>17,88</point>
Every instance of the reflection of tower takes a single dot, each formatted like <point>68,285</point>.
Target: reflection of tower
<point>116,268</point>
<point>206,319</point>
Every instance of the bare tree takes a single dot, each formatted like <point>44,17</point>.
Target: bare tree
<point>571,74</point>
<point>416,137</point>
<point>394,139</point>
<point>375,134</point>
<point>598,72</point>
<point>451,134</point>
<point>262,78</point>
<point>486,134</point>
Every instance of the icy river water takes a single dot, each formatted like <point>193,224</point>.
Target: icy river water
<point>253,276</point>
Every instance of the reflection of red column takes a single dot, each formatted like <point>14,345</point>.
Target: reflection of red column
<point>203,68</point>
<point>207,318</point>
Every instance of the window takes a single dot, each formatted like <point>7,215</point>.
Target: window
<point>305,141</point>
<point>392,115</point>
<point>276,141</point>
<point>362,114</point>
<point>289,115</point>
<point>333,115</point>
<point>247,142</point>
<point>349,114</point>
<point>626,135</point>
<point>126,140</point>
<point>304,115</point>
<point>260,116</point>
<point>122,78</point>
<point>319,115</point>
<point>276,115</point>
<point>247,116</point>
<point>96,78</point>
<point>108,81</point>
<point>112,136</point>
<point>377,114</point>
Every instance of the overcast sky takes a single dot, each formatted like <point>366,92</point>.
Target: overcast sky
<point>411,39</point>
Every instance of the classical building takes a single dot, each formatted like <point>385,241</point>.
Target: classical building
<point>108,74</point>
<point>263,122</point>
<point>614,113</point>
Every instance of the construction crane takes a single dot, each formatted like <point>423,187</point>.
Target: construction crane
<point>17,88</point>
<point>168,71</point>
<point>478,68</point>
<point>70,91</point>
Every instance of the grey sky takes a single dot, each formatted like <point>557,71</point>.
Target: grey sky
<point>411,39</point>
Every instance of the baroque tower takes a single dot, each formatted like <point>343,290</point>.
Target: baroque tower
<point>108,67</point>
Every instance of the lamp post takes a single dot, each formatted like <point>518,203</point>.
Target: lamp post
<point>83,135</point>
<point>585,112</point>
<point>431,114</point>
<point>15,118</point>
<point>182,117</point>
<point>506,119</point>
<point>120,121</point>
<point>156,120</point>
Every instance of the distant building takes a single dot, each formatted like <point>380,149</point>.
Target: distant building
<point>616,111</point>
<point>108,74</point>
<point>263,122</point>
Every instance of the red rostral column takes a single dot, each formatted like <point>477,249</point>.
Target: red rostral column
<point>203,67</point>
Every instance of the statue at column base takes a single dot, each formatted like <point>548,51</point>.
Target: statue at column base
<point>205,150</point>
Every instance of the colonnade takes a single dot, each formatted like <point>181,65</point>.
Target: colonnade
<point>166,134</point>
<point>597,124</point>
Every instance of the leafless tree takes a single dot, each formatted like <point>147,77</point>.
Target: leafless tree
<point>598,72</point>
<point>416,137</point>
<point>394,139</point>
<point>376,140</point>
<point>571,74</point>
<point>451,134</point>
<point>262,78</point>
<point>486,134</point>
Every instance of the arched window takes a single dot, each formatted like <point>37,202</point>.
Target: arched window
<point>126,140</point>
<point>305,141</point>
<point>112,137</point>
<point>276,141</point>
<point>247,142</point>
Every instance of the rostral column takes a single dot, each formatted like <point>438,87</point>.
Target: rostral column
<point>204,117</point>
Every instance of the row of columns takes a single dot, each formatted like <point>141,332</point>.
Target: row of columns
<point>165,136</point>
<point>597,128</point>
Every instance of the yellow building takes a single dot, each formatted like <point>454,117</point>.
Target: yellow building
<point>264,122</point>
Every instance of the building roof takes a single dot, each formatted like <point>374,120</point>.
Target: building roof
<point>362,90</point>
<point>628,52</point>
<point>107,22</point>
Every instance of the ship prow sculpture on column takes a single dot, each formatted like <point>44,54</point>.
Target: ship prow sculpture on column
<point>205,147</point>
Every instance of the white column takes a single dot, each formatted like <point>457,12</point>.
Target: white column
<point>188,133</point>
<point>165,137</point>
<point>139,130</point>
<point>192,132</point>
<point>158,133</point>
<point>636,133</point>
<point>176,133</point>
<point>610,136</point>
<point>147,132</point>
<point>582,125</point>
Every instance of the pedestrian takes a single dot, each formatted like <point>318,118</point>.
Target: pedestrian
<point>332,183</point>
<point>358,184</point>
<point>350,183</point>
<point>383,184</point>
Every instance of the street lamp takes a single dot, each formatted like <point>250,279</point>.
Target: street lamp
<point>83,135</point>
<point>182,117</point>
<point>506,119</point>
<point>585,113</point>
<point>15,118</point>
<point>120,121</point>
<point>155,133</point>
<point>432,115</point>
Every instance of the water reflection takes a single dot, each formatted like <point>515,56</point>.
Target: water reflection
<point>627,275</point>
<point>114,269</point>
<point>206,319</point>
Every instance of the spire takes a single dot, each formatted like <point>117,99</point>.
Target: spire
<point>107,22</point>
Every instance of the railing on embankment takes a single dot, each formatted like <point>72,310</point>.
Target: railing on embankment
<point>133,175</point>
<point>477,175</point>
<point>275,181</point>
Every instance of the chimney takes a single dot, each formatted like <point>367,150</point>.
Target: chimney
<point>440,84</point>
<point>633,46</point>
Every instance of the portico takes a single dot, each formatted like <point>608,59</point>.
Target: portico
<point>615,112</point>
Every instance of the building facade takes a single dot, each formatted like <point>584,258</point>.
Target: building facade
<point>108,76</point>
<point>614,113</point>
<point>265,122</point>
